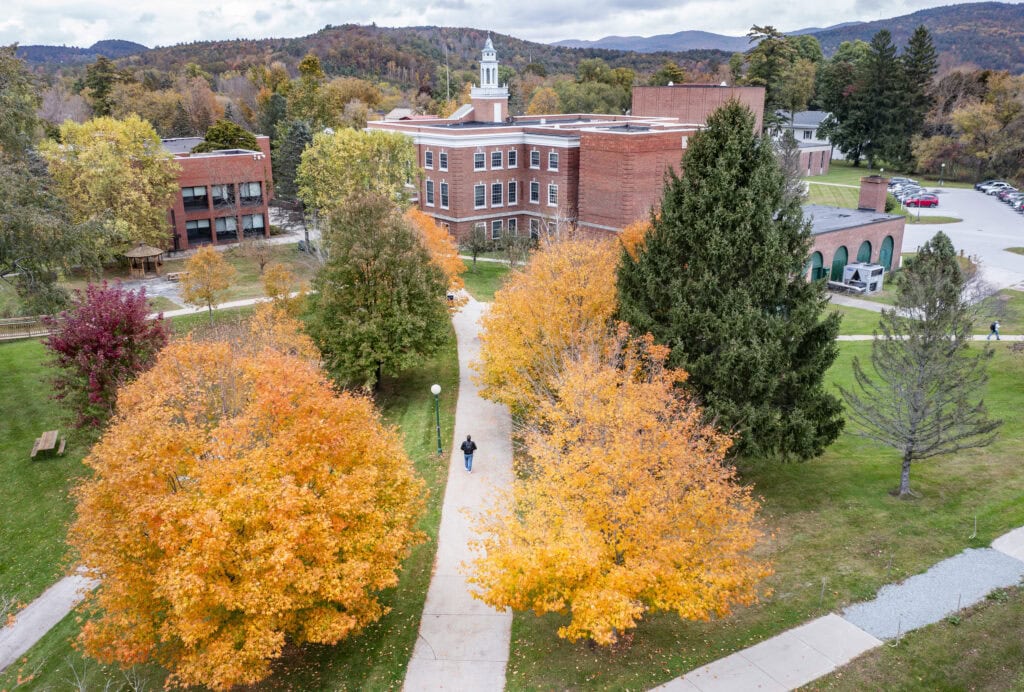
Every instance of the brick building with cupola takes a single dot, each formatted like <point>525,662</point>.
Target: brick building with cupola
<point>483,169</point>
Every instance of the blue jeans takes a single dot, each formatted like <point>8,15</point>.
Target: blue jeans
<point>469,462</point>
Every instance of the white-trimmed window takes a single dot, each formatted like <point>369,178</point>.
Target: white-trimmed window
<point>552,160</point>
<point>479,161</point>
<point>513,192</point>
<point>495,159</point>
<point>442,161</point>
<point>252,224</point>
<point>513,227</point>
<point>552,195</point>
<point>512,158</point>
<point>535,192</point>
<point>480,228</point>
<point>444,195</point>
<point>535,228</point>
<point>479,196</point>
<point>496,229</point>
<point>428,159</point>
<point>534,158</point>
<point>430,193</point>
<point>496,195</point>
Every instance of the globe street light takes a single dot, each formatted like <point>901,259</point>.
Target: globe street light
<point>942,174</point>
<point>436,391</point>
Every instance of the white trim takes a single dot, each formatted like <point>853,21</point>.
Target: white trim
<point>530,195</point>
<point>428,192</point>
<point>552,185</point>
<point>512,185</point>
<point>501,159</point>
<point>532,152</point>
<point>508,161</point>
<point>439,155</point>
<point>484,205</point>
<point>501,188</point>
<point>428,153</point>
<point>488,140</point>
<point>555,167</point>
<point>442,196</point>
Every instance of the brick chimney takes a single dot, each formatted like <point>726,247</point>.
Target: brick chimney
<point>873,189</point>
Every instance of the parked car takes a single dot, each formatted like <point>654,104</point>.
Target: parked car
<point>923,200</point>
<point>993,188</point>
<point>1006,192</point>
<point>908,192</point>
<point>893,182</point>
<point>983,183</point>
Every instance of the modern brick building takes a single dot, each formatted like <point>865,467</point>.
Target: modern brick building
<point>865,234</point>
<point>223,194</point>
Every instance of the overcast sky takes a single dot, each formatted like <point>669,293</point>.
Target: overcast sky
<point>166,22</point>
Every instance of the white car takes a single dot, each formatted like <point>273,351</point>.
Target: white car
<point>993,188</point>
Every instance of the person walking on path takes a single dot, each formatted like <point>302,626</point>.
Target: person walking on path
<point>468,447</point>
<point>994,327</point>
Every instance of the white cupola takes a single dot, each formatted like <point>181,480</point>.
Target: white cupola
<point>490,99</point>
<point>489,66</point>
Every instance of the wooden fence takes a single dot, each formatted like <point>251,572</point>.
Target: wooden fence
<point>22,328</point>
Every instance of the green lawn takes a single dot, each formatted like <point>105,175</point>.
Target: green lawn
<point>978,649</point>
<point>844,173</point>
<point>375,660</point>
<point>848,198</point>
<point>836,537</point>
<point>856,320</point>
<point>485,279</point>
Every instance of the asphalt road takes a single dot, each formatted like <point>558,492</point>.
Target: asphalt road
<point>988,228</point>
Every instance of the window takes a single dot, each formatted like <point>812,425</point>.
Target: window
<point>428,159</point>
<point>250,193</point>
<point>442,161</point>
<point>808,134</point>
<point>252,225</point>
<point>496,229</point>
<point>194,197</point>
<point>479,196</point>
<point>496,194</point>
<point>444,195</point>
<point>430,193</point>
<point>495,159</point>
<point>512,227</point>
<point>535,228</point>
<point>534,159</point>
<point>553,161</point>
<point>513,158</point>
<point>227,229</point>
<point>513,192</point>
<point>198,231</point>
<point>535,192</point>
<point>480,229</point>
<point>223,195</point>
<point>478,161</point>
<point>552,195</point>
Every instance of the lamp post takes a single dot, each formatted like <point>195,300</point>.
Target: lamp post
<point>436,391</point>
<point>942,174</point>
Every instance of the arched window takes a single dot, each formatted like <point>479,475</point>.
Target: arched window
<point>839,261</point>
<point>817,267</point>
<point>864,253</point>
<point>885,254</point>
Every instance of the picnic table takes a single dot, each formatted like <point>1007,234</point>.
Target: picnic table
<point>47,442</point>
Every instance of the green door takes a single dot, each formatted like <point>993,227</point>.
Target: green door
<point>885,254</point>
<point>817,267</point>
<point>864,253</point>
<point>838,263</point>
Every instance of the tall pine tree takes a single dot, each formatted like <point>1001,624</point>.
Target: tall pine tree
<point>920,63</point>
<point>293,136</point>
<point>881,101</point>
<point>721,281</point>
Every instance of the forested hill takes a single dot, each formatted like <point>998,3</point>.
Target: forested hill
<point>70,55</point>
<point>405,56</point>
<point>989,35</point>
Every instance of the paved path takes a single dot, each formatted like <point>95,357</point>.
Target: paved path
<point>463,644</point>
<point>860,303</point>
<point>805,653</point>
<point>36,619</point>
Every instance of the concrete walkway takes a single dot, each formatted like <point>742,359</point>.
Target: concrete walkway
<point>851,302</point>
<point>463,644</point>
<point>39,616</point>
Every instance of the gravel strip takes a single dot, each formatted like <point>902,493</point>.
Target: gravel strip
<point>926,598</point>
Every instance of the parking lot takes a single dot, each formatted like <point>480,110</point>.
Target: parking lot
<point>988,228</point>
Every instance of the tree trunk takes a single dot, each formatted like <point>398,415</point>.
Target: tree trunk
<point>380,372</point>
<point>904,490</point>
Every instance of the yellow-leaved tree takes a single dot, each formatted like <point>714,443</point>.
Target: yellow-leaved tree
<point>206,277</point>
<point>634,236</point>
<point>444,252</point>
<point>564,296</point>
<point>627,508</point>
<point>236,503</point>
<point>278,281</point>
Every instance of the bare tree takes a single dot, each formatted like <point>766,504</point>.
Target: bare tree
<point>258,249</point>
<point>476,242</point>
<point>923,394</point>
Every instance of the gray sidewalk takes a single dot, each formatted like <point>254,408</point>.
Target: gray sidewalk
<point>39,616</point>
<point>463,644</point>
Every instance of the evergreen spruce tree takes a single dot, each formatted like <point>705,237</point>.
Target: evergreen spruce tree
<point>293,136</point>
<point>920,63</point>
<point>721,280</point>
<point>881,101</point>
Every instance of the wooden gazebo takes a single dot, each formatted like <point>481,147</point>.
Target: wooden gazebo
<point>142,259</point>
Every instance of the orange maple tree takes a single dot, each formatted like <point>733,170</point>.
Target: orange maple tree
<point>627,506</point>
<point>444,251</point>
<point>237,502</point>
<point>634,236</point>
<point>563,297</point>
<point>206,277</point>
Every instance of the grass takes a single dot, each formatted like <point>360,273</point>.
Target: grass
<point>836,536</point>
<point>248,282</point>
<point>377,658</point>
<point>848,198</point>
<point>161,304</point>
<point>844,173</point>
<point>485,279</point>
<point>978,649</point>
<point>1015,250</point>
<point>856,320</point>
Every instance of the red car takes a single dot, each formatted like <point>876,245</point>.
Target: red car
<point>922,201</point>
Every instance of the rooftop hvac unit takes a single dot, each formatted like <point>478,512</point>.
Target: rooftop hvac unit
<point>867,277</point>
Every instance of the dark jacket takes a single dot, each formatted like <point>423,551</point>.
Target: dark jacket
<point>468,447</point>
